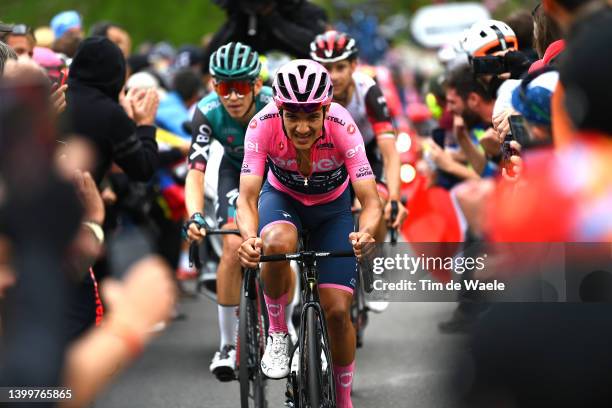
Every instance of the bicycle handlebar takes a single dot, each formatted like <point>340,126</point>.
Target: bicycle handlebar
<point>301,255</point>
<point>194,254</point>
<point>394,211</point>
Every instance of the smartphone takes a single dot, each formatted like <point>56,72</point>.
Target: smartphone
<point>439,136</point>
<point>489,65</point>
<point>519,130</point>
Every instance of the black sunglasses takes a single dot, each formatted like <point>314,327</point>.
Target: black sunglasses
<point>535,9</point>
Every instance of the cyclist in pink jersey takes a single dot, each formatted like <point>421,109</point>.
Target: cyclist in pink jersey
<point>312,148</point>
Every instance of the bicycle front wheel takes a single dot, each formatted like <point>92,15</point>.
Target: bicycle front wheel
<point>251,341</point>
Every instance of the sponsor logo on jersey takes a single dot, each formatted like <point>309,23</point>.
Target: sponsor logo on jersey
<point>269,116</point>
<point>210,106</point>
<point>350,153</point>
<point>351,129</point>
<point>198,150</point>
<point>319,165</point>
<point>230,139</point>
<point>253,124</point>
<point>325,146</point>
<point>336,120</point>
<point>363,172</point>
<point>281,145</point>
<point>252,147</point>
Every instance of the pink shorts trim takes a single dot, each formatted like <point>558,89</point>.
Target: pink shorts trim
<point>336,286</point>
<point>276,222</point>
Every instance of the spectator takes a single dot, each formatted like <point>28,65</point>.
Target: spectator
<point>472,104</point>
<point>6,53</point>
<point>173,110</point>
<point>68,32</point>
<point>521,23</point>
<point>570,15</point>
<point>67,21</point>
<point>96,79</point>
<point>268,25</point>
<point>21,39</point>
<point>546,31</point>
<point>115,33</point>
<point>44,36</point>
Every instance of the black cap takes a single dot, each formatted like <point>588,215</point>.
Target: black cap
<point>586,74</point>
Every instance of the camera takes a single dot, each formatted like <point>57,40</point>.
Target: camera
<point>514,62</point>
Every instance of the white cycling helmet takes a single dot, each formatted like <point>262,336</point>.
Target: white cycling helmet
<point>489,36</point>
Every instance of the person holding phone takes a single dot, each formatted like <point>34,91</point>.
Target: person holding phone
<point>533,126</point>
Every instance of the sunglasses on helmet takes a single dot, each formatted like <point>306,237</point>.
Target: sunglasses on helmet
<point>225,88</point>
<point>304,107</point>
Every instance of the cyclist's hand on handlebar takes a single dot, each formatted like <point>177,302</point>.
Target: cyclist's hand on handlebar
<point>249,252</point>
<point>194,228</point>
<point>402,213</point>
<point>358,240</point>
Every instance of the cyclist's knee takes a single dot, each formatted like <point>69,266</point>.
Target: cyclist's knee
<point>337,315</point>
<point>279,239</point>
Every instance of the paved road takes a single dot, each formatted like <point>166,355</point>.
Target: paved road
<point>402,363</point>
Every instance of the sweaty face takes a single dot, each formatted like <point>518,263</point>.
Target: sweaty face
<point>341,73</point>
<point>303,128</point>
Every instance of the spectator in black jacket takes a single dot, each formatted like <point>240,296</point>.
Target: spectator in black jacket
<point>269,25</point>
<point>120,133</point>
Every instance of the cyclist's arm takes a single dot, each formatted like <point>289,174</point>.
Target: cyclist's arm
<point>197,159</point>
<point>251,176</point>
<point>247,216</point>
<point>378,115</point>
<point>392,164</point>
<point>371,207</point>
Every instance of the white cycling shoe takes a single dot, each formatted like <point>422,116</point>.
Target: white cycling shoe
<point>378,307</point>
<point>275,361</point>
<point>223,364</point>
<point>295,363</point>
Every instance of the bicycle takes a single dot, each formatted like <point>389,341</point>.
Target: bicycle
<point>359,307</point>
<point>252,331</point>
<point>311,387</point>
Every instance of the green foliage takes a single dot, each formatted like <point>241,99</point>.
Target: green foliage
<point>177,21</point>
<point>182,21</point>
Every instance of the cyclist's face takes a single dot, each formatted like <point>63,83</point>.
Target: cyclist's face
<point>303,128</point>
<point>236,104</point>
<point>341,73</point>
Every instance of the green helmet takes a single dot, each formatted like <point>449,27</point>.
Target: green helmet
<point>235,61</point>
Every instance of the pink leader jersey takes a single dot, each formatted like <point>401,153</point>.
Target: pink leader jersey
<point>339,153</point>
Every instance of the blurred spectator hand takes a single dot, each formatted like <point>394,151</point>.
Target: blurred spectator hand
<point>517,163</point>
<point>58,98</point>
<point>145,107</point>
<point>145,297</point>
<point>90,197</point>
<point>490,143</point>
<point>440,157</point>
<point>501,123</point>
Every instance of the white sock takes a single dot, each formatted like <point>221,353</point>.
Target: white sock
<point>228,324</point>
<point>184,260</point>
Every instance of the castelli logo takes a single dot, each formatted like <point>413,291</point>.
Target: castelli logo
<point>345,379</point>
<point>274,310</point>
<point>351,129</point>
<point>253,124</point>
<point>230,139</point>
<point>281,145</point>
